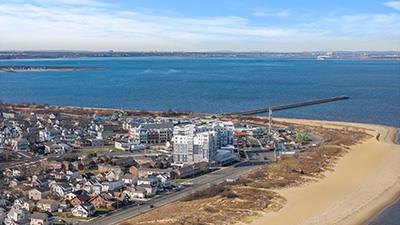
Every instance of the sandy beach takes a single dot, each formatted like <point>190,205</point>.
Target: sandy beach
<point>363,182</point>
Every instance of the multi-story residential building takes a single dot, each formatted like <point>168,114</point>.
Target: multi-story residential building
<point>152,133</point>
<point>20,144</point>
<point>192,145</point>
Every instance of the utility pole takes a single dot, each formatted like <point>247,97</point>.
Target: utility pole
<point>270,120</point>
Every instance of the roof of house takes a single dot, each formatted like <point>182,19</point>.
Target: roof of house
<point>83,197</point>
<point>41,216</point>
<point>46,201</point>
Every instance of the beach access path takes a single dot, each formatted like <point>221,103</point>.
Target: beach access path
<point>363,182</point>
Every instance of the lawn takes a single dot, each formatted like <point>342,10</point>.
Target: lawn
<point>94,171</point>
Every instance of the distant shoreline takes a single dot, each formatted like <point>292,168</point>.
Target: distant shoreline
<point>44,68</point>
<point>10,55</point>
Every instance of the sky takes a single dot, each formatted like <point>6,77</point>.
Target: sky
<point>200,25</point>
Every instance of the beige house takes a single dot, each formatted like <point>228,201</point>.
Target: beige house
<point>37,194</point>
<point>48,205</point>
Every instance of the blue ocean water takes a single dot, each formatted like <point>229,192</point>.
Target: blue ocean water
<point>215,85</point>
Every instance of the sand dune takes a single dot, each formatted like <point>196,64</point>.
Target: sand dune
<point>363,182</point>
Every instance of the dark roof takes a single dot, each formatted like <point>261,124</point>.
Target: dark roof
<point>64,185</point>
<point>23,221</point>
<point>83,197</point>
<point>43,189</point>
<point>41,216</point>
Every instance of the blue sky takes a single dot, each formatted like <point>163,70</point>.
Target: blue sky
<point>200,25</point>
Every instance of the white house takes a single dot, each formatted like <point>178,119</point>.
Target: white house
<point>83,210</point>
<point>18,216</point>
<point>62,189</point>
<point>113,185</point>
<point>122,145</point>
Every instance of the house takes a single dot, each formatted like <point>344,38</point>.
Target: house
<point>45,136</point>
<point>83,210</point>
<point>138,192</point>
<point>112,185</point>
<point>39,193</point>
<point>97,142</point>
<point>122,145</point>
<point>62,189</point>
<point>53,165</point>
<point>79,199</point>
<point>10,115</point>
<point>72,174</point>
<point>17,181</point>
<point>78,165</point>
<point>88,176</point>
<point>49,205</point>
<point>40,182</point>
<point>28,205</point>
<point>189,170</point>
<point>114,175</point>
<point>82,143</point>
<point>17,215</point>
<point>66,148</point>
<point>150,190</point>
<point>130,179</point>
<point>20,144</point>
<point>101,201</point>
<point>72,195</point>
<point>51,147</point>
<point>45,218</point>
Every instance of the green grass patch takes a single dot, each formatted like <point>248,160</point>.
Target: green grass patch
<point>108,142</point>
<point>102,210</point>
<point>94,171</point>
<point>91,150</point>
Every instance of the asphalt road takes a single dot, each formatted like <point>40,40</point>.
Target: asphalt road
<point>195,184</point>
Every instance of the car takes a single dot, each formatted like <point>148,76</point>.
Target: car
<point>139,203</point>
<point>265,158</point>
<point>151,206</point>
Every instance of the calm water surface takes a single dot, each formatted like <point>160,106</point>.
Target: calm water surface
<point>214,85</point>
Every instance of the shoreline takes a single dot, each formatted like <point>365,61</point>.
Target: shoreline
<point>11,69</point>
<point>373,218</point>
<point>364,182</point>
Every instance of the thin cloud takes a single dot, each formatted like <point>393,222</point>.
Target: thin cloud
<point>394,5</point>
<point>264,14</point>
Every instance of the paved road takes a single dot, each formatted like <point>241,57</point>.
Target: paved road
<point>195,184</point>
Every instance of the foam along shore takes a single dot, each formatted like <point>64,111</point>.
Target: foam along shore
<point>43,68</point>
<point>363,182</point>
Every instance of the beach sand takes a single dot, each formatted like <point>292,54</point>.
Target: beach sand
<point>363,182</point>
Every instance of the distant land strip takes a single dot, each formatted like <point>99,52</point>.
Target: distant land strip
<point>387,55</point>
<point>44,68</point>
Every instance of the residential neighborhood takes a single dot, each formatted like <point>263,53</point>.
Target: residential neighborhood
<point>66,168</point>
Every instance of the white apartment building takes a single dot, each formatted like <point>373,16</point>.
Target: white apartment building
<point>194,144</point>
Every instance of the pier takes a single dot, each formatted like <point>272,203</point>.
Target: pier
<point>288,106</point>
